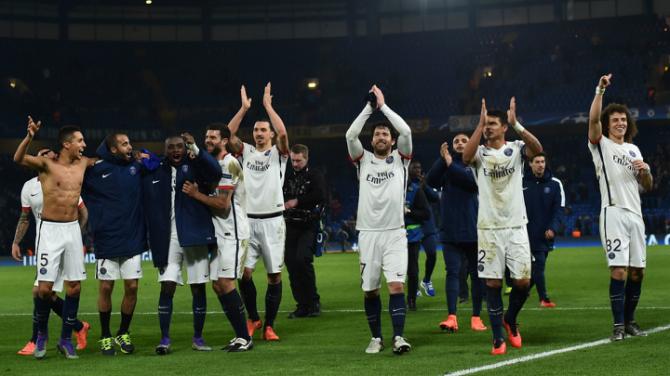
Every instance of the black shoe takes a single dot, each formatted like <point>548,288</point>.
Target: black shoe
<point>315,310</point>
<point>298,313</point>
<point>632,329</point>
<point>618,334</point>
<point>411,304</point>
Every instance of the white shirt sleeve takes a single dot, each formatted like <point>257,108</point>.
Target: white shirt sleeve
<point>354,145</point>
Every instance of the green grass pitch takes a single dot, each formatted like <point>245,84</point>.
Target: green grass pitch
<point>334,343</point>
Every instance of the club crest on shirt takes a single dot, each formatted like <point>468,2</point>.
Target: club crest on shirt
<point>103,271</point>
<point>547,190</point>
<point>611,255</point>
<point>632,153</point>
<point>389,159</point>
<point>508,152</point>
<point>43,271</point>
<point>133,170</point>
<point>184,168</point>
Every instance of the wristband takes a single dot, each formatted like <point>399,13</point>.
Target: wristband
<point>194,148</point>
<point>600,90</point>
<point>518,127</point>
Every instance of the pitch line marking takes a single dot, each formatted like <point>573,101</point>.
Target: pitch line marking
<point>528,358</point>
<point>17,314</point>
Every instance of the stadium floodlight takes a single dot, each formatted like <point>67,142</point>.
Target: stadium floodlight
<point>312,83</point>
<point>12,83</point>
<point>148,2</point>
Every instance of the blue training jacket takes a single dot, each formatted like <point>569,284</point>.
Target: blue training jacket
<point>194,220</point>
<point>544,199</point>
<point>428,226</point>
<point>459,202</point>
<point>112,191</point>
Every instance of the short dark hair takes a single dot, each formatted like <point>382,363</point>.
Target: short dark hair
<point>175,136</point>
<point>111,140</point>
<point>65,134</point>
<point>631,129</point>
<point>502,115</point>
<point>300,149</point>
<point>221,127</point>
<point>383,124</point>
<point>540,154</point>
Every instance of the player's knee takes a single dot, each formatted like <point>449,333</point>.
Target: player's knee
<point>247,274</point>
<point>36,291</point>
<point>106,288</point>
<point>274,278</point>
<point>168,288</point>
<point>226,285</point>
<point>494,283</point>
<point>73,288</point>
<point>618,273</point>
<point>522,284</point>
<point>371,294</point>
<point>44,291</point>
<point>217,289</point>
<point>636,274</point>
<point>131,286</point>
<point>396,287</point>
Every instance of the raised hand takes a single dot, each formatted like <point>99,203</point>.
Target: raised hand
<point>33,127</point>
<point>191,189</point>
<point>605,81</point>
<point>482,114</point>
<point>379,95</point>
<point>511,113</point>
<point>640,166</point>
<point>267,95</point>
<point>246,102</point>
<point>188,138</point>
<point>444,153</point>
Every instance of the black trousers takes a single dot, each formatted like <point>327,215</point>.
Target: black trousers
<point>299,259</point>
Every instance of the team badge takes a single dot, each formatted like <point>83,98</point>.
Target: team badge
<point>480,268</point>
<point>43,271</point>
<point>184,169</point>
<point>103,270</point>
<point>508,152</point>
<point>133,170</point>
<point>632,153</point>
<point>547,190</point>
<point>611,255</point>
<point>389,159</point>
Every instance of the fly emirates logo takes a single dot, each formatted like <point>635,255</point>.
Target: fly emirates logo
<point>498,172</point>
<point>380,177</point>
<point>258,166</point>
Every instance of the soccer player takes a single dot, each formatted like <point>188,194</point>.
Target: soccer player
<point>382,177</point>
<point>31,201</point>
<point>545,200</point>
<point>264,168</point>
<point>180,231</point>
<point>501,219</point>
<point>112,189</point>
<point>59,242</point>
<point>458,206</point>
<point>620,170</point>
<point>231,227</point>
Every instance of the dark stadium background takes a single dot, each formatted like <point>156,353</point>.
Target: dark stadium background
<point>153,70</point>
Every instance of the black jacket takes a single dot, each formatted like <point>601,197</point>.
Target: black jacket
<point>309,187</point>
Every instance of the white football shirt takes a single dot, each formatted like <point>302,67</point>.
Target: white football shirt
<point>500,181</point>
<point>264,173</point>
<point>616,175</point>
<point>236,225</point>
<point>381,194</point>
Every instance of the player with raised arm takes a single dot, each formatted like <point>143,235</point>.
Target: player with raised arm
<point>621,171</point>
<point>31,202</point>
<point>59,243</point>
<point>502,236</point>
<point>382,176</point>
<point>264,167</point>
<point>231,227</point>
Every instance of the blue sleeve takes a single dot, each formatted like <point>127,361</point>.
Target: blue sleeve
<point>210,167</point>
<point>431,194</point>
<point>435,175</point>
<point>462,177</point>
<point>555,210</point>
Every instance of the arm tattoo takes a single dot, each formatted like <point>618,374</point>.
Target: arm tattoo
<point>21,228</point>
